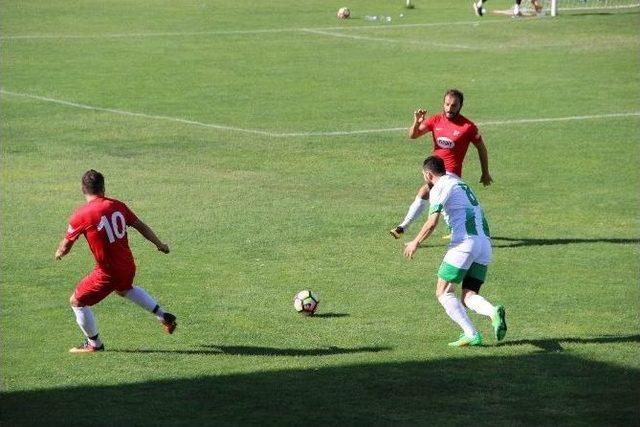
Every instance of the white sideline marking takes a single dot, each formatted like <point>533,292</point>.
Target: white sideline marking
<point>558,119</point>
<point>245,32</point>
<point>301,134</point>
<point>129,113</point>
<point>386,40</point>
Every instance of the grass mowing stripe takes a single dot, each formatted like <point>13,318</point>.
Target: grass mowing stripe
<point>134,114</point>
<point>244,32</point>
<point>309,133</point>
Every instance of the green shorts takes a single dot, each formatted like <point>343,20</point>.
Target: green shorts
<point>467,258</point>
<point>454,274</point>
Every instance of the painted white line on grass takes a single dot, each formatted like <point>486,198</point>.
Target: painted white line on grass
<point>558,119</point>
<point>487,123</point>
<point>386,40</point>
<point>141,35</point>
<point>301,134</point>
<point>129,113</point>
<point>478,47</point>
<point>250,32</point>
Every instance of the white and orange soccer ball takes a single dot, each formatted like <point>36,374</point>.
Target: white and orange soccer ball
<point>306,302</point>
<point>344,13</point>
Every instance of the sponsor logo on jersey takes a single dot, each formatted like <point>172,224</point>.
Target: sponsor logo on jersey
<point>444,142</point>
<point>456,133</point>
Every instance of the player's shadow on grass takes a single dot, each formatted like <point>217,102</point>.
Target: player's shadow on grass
<point>517,242</point>
<point>555,344</point>
<point>241,350</point>
<point>247,350</point>
<point>329,315</point>
<point>534,389</point>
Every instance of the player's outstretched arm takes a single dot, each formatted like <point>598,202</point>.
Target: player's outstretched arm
<point>63,248</point>
<point>425,232</point>
<point>418,117</point>
<point>485,179</point>
<point>148,234</point>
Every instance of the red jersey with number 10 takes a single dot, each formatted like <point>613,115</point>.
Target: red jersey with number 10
<point>451,139</point>
<point>104,222</point>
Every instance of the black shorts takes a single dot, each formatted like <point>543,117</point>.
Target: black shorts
<point>472,284</point>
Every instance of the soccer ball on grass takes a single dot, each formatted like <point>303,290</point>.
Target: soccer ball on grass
<point>306,302</point>
<point>344,13</point>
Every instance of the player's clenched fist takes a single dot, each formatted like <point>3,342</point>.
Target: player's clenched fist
<point>419,115</point>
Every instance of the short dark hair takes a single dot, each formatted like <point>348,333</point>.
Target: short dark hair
<point>435,165</point>
<point>456,93</point>
<point>92,182</point>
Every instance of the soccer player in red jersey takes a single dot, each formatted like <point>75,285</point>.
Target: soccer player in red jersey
<point>452,133</point>
<point>103,222</point>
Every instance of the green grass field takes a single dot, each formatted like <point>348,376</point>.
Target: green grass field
<point>232,128</point>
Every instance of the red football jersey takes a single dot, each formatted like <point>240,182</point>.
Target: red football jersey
<point>451,139</point>
<point>104,222</point>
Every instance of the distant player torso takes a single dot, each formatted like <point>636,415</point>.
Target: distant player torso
<point>103,222</point>
<point>460,208</point>
<point>451,139</point>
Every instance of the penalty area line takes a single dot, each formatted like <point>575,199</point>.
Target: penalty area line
<point>256,31</point>
<point>302,133</point>
<point>387,40</point>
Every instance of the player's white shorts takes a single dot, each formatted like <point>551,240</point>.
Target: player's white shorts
<point>470,257</point>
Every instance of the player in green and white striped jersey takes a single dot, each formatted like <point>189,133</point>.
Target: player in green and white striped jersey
<point>469,253</point>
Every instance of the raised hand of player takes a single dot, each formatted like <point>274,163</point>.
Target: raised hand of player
<point>163,248</point>
<point>486,179</point>
<point>419,115</point>
<point>410,249</point>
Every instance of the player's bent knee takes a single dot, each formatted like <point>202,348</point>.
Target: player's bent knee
<point>471,284</point>
<point>444,287</point>
<point>466,293</point>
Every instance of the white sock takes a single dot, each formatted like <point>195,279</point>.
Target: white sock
<point>415,209</point>
<point>144,300</point>
<point>480,305</point>
<point>457,313</point>
<point>516,9</point>
<point>86,321</point>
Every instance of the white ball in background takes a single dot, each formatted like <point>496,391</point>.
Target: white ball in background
<point>344,13</point>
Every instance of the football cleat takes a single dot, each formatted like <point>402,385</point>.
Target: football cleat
<point>86,347</point>
<point>169,323</point>
<point>499,323</point>
<point>465,341</point>
<point>478,9</point>
<point>447,236</point>
<point>396,232</point>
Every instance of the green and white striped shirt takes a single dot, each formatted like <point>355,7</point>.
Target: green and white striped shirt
<point>460,208</point>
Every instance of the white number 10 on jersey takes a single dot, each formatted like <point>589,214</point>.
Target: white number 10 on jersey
<point>116,229</point>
